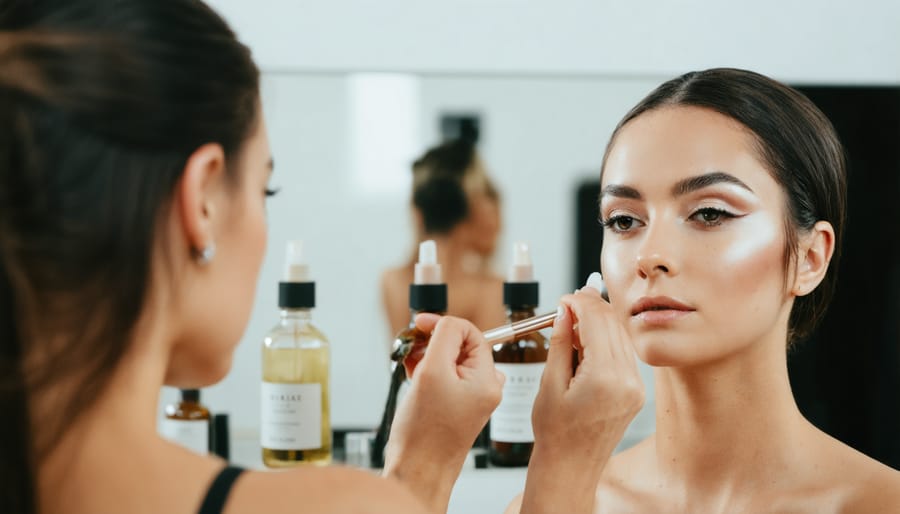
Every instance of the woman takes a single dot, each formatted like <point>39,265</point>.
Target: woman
<point>134,165</point>
<point>722,199</point>
<point>456,205</point>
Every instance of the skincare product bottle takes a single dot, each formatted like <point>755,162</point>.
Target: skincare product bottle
<point>427,293</point>
<point>188,422</point>
<point>522,361</point>
<point>221,441</point>
<point>295,426</point>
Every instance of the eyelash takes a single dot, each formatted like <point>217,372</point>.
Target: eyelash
<point>272,192</point>
<point>611,223</point>
<point>721,214</point>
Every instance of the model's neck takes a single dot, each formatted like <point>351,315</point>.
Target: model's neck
<point>739,409</point>
<point>122,415</point>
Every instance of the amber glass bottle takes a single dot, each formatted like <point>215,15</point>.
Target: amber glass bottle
<point>522,361</point>
<point>427,293</point>
<point>187,422</point>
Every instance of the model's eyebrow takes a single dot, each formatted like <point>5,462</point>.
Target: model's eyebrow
<point>620,191</point>
<point>689,185</point>
<point>683,187</point>
<point>271,164</point>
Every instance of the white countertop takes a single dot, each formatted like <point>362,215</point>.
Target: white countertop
<point>477,491</point>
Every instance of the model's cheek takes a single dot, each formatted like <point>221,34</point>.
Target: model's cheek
<point>753,258</point>
<point>619,269</point>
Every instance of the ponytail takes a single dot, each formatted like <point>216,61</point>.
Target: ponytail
<point>101,103</point>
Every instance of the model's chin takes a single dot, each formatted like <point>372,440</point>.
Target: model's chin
<point>657,354</point>
<point>659,349</point>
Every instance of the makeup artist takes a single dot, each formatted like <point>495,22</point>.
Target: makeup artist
<point>134,165</point>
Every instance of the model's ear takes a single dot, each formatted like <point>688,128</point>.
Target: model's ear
<point>194,196</point>
<point>813,257</point>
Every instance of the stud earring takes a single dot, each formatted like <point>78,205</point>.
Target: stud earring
<point>207,253</point>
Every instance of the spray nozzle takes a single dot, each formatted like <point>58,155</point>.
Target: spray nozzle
<point>295,267</point>
<point>521,269</point>
<point>427,270</point>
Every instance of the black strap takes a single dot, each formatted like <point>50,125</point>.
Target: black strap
<point>217,494</point>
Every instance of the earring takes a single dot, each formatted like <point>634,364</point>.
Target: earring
<point>207,253</point>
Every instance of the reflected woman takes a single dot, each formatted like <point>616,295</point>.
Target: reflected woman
<point>454,203</point>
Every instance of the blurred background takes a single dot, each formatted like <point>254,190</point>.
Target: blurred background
<point>354,91</point>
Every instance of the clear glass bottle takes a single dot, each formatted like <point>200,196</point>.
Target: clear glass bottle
<point>296,421</point>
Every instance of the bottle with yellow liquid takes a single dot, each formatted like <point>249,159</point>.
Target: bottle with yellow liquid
<point>295,425</point>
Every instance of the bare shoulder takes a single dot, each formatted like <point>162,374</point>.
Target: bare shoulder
<point>874,487</point>
<point>328,489</point>
<point>627,480</point>
<point>478,298</point>
<point>841,479</point>
<point>394,279</point>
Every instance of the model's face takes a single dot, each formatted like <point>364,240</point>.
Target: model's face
<point>484,223</point>
<point>218,304</point>
<point>694,237</point>
<point>244,243</point>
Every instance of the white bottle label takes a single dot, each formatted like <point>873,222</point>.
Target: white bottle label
<point>193,435</point>
<point>291,416</point>
<point>511,422</point>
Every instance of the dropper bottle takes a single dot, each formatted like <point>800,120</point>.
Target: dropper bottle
<point>427,293</point>
<point>522,361</point>
<point>187,422</point>
<point>295,425</point>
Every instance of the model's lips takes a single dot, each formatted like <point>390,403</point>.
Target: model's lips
<point>659,303</point>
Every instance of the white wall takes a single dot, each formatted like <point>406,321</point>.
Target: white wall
<point>795,40</point>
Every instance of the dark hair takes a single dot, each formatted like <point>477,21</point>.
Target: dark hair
<point>438,191</point>
<point>451,158</point>
<point>794,140</point>
<point>101,104</point>
<point>442,202</point>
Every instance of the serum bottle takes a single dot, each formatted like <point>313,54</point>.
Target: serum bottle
<point>188,422</point>
<point>295,426</point>
<point>522,361</point>
<point>427,293</point>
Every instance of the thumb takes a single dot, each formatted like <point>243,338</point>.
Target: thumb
<point>558,370</point>
<point>449,338</point>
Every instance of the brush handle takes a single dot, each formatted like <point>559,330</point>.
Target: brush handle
<point>520,328</point>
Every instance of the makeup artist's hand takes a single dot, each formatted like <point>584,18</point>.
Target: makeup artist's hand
<point>579,417</point>
<point>454,390</point>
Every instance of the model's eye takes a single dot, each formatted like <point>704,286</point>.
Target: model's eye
<point>620,223</point>
<point>711,216</point>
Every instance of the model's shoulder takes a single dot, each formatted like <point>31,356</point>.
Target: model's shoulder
<point>875,487</point>
<point>399,273</point>
<point>851,480</point>
<point>396,279</point>
<point>627,481</point>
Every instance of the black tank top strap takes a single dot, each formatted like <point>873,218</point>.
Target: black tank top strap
<point>218,491</point>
